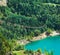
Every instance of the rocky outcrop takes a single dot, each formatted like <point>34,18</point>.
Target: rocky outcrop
<point>3,2</point>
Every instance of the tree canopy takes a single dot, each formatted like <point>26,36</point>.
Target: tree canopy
<point>19,15</point>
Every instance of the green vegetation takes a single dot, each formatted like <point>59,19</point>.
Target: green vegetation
<point>18,52</point>
<point>38,52</point>
<point>48,32</point>
<point>19,17</point>
<point>24,19</point>
<point>5,48</point>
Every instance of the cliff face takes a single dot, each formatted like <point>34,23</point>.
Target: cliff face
<point>3,2</point>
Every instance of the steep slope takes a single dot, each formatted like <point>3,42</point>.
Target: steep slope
<point>19,15</point>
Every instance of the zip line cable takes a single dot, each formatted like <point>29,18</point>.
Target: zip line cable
<point>32,27</point>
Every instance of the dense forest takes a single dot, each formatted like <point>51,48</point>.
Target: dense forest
<point>22,19</point>
<point>19,17</point>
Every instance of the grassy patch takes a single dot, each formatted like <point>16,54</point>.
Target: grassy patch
<point>21,52</point>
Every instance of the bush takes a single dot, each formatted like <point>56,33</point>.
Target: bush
<point>48,32</point>
<point>36,32</point>
<point>20,47</point>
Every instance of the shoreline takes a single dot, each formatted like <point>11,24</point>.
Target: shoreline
<point>40,37</point>
<point>43,35</point>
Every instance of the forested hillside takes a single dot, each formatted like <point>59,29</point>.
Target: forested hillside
<point>19,17</point>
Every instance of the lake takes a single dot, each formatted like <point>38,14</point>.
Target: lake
<point>49,43</point>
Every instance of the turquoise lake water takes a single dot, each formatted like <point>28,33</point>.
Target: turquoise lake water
<point>49,43</point>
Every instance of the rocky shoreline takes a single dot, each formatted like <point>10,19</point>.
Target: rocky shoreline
<point>41,36</point>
